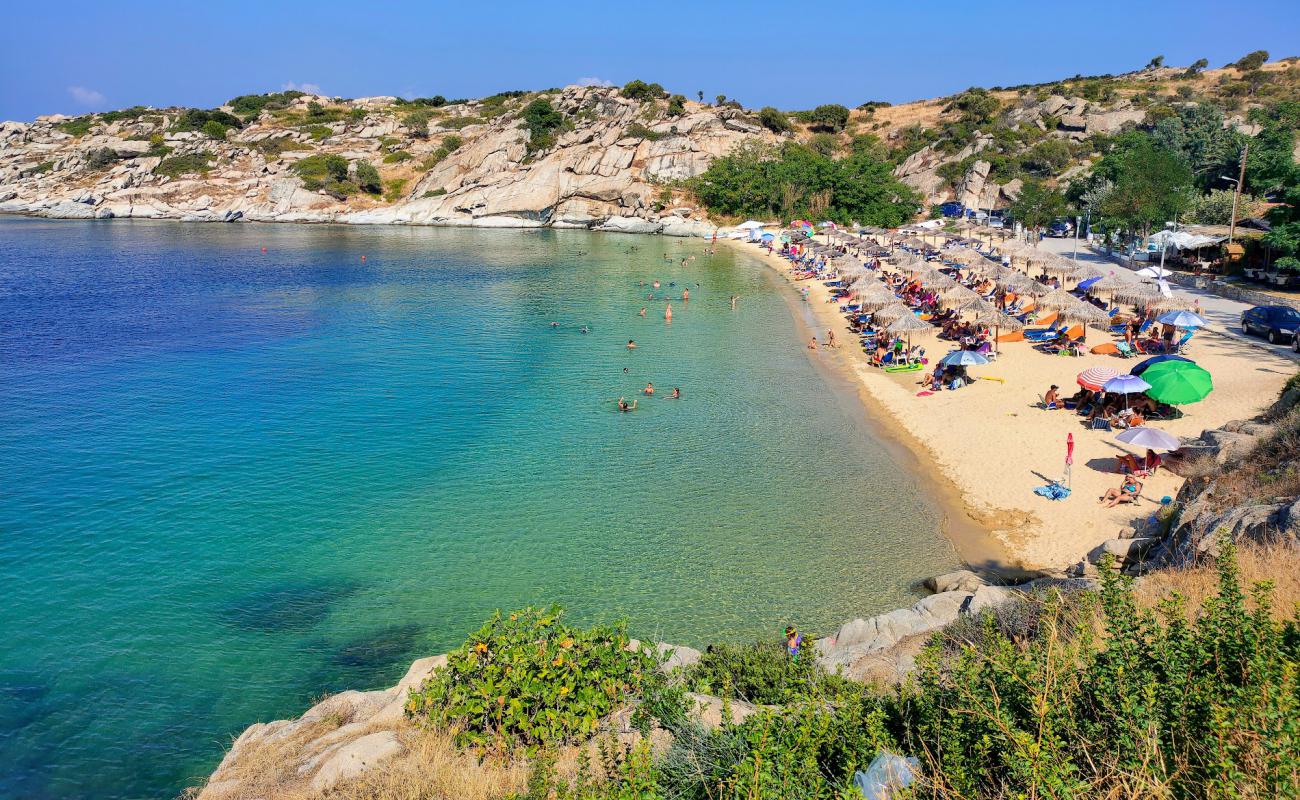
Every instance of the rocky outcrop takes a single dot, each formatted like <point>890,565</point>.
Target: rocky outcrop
<point>606,173</point>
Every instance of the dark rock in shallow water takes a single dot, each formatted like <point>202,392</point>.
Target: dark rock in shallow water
<point>375,659</point>
<point>285,607</point>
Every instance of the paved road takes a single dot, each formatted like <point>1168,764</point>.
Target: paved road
<point>1223,314</point>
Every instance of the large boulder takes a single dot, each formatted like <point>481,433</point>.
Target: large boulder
<point>356,757</point>
<point>962,580</point>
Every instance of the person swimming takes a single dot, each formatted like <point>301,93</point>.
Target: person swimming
<point>668,312</point>
<point>686,295</point>
<point>631,345</point>
<point>584,329</point>
<point>642,311</point>
<point>555,324</point>
<point>649,389</point>
<point>676,395</point>
<point>624,405</point>
<point>654,284</point>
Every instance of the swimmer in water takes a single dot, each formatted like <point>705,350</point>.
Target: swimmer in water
<point>649,389</point>
<point>624,370</point>
<point>676,395</point>
<point>555,324</point>
<point>686,295</point>
<point>631,345</point>
<point>624,405</point>
<point>655,285</point>
<point>734,298</point>
<point>643,311</point>
<point>584,329</point>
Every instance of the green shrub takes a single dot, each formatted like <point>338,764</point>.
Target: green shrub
<point>457,123</point>
<point>417,123</point>
<point>368,178</point>
<point>437,101</point>
<point>773,120</point>
<point>528,679</point>
<point>762,673</point>
<point>322,171</point>
<point>132,113</point>
<point>825,143</point>
<point>1251,61</point>
<point>676,105</point>
<point>320,133</point>
<point>450,144</point>
<point>251,105</point>
<point>101,158</point>
<point>42,168</point>
<point>77,127</point>
<point>831,117</point>
<point>638,131</point>
<point>214,130</point>
<point>279,144</point>
<point>642,91</point>
<point>1288,264</point>
<point>439,192</point>
<point>397,157</point>
<point>195,119</point>
<point>542,122</point>
<point>186,164</point>
<point>393,190</point>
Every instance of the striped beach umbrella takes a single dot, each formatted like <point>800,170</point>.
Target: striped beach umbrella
<point>1095,378</point>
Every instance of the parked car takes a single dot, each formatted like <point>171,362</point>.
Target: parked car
<point>995,222</point>
<point>1060,228</point>
<point>1278,324</point>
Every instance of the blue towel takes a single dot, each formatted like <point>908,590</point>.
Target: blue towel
<point>1053,491</point>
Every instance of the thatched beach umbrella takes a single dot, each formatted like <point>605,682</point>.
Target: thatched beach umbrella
<point>1110,283</point>
<point>999,322</point>
<point>891,313</point>
<point>1086,313</point>
<point>876,295</point>
<point>1171,303</point>
<point>966,256</point>
<point>958,296</point>
<point>1137,293</point>
<point>1057,298</point>
<point>909,325</point>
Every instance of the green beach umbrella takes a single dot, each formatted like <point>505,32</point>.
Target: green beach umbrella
<point>1177,383</point>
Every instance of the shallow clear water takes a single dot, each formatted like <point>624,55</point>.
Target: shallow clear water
<point>235,480</point>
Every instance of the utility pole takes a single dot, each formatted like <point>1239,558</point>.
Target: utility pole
<point>1236,197</point>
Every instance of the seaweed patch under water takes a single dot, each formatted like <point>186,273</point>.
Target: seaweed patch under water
<point>285,607</point>
<point>374,660</point>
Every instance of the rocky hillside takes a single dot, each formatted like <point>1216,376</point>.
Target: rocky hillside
<point>603,162</point>
<point>582,157</point>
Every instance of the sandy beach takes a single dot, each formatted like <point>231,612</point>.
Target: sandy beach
<point>995,445</point>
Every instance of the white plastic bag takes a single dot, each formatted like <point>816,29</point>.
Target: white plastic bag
<point>887,773</point>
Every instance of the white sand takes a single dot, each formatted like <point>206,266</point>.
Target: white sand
<point>992,441</point>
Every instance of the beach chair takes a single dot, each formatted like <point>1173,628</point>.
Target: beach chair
<point>1186,337</point>
<point>1043,334</point>
<point>1125,351</point>
<point>1100,424</point>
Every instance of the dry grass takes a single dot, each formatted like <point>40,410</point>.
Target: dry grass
<point>1278,564</point>
<point>1271,470</point>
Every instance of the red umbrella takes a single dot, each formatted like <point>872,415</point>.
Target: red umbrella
<point>1095,377</point>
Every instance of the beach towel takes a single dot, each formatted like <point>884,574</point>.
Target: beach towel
<point>1053,491</point>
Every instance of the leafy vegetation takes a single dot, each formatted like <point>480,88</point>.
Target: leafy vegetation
<point>676,105</point>
<point>795,181</point>
<point>276,145</point>
<point>101,158</point>
<point>186,164</point>
<point>1251,61</point>
<point>417,122</point>
<point>251,105</point>
<point>1037,205</point>
<point>774,120</point>
<point>393,189</point>
<point>450,144</point>
<point>368,178</point>
<point>638,131</point>
<point>77,127</point>
<point>762,673</point>
<point>457,123</point>
<point>195,119</point>
<point>397,157</point>
<point>529,679</point>
<point>642,91</point>
<point>831,117</point>
<point>325,172</point>
<point>542,122</point>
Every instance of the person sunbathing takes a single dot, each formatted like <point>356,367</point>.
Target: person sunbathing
<point>1052,400</point>
<point>1127,492</point>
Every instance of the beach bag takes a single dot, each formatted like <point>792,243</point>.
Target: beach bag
<point>886,774</point>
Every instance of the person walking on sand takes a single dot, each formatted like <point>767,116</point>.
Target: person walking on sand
<point>793,641</point>
<point>830,338</point>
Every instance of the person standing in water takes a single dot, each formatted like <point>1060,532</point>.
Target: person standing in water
<point>676,395</point>
<point>643,311</point>
<point>623,405</point>
<point>648,390</point>
<point>631,345</point>
<point>668,312</point>
<point>686,295</point>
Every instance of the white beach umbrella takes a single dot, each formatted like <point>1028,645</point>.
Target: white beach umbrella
<point>1153,438</point>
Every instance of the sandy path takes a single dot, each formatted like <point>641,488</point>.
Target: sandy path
<point>992,441</point>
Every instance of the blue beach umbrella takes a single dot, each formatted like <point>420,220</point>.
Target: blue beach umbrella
<point>1151,362</point>
<point>1182,319</point>
<point>1085,285</point>
<point>963,358</point>
<point>1125,384</point>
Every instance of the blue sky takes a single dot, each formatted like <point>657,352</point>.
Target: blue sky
<point>76,56</point>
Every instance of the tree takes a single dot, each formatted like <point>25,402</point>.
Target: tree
<point>976,106</point>
<point>824,143</point>
<point>830,117</point>
<point>1198,65</point>
<point>719,99</point>
<point>214,130</point>
<point>1156,63</point>
<point>773,120</point>
<point>542,121</point>
<point>676,105</point>
<point>368,178</point>
<point>417,123</point>
<point>1037,204</point>
<point>1214,208</point>
<point>1253,60</point>
<point>1197,133</point>
<point>1150,183</point>
<point>642,91</point>
<point>700,94</point>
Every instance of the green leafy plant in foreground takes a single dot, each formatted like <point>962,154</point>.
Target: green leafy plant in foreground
<point>529,680</point>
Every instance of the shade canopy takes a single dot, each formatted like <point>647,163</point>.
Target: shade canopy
<point>891,312</point>
<point>1152,438</point>
<point>1182,319</point>
<point>1125,384</point>
<point>1178,383</point>
<point>963,358</point>
<point>1154,272</point>
<point>1095,378</point>
<point>1151,362</point>
<point>909,324</point>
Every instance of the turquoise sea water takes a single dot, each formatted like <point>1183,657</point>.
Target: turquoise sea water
<point>235,480</point>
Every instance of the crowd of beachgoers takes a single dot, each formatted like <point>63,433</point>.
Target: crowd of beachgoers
<point>932,308</point>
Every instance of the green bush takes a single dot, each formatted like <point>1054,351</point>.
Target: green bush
<point>42,168</point>
<point>437,101</point>
<point>762,673</point>
<point>214,130</point>
<point>638,131</point>
<point>1288,264</point>
<point>1251,61</point>
<point>279,144</point>
<point>773,120</point>
<point>101,158</point>
<point>831,117</point>
<point>251,105</point>
<point>195,119</point>
<point>457,123</point>
<point>450,144</point>
<point>393,190</point>
<point>676,105</point>
<point>320,133</point>
<point>368,178</point>
<point>528,679</point>
<point>642,91</point>
<point>417,123</point>
<point>77,127</point>
<point>133,113</point>
<point>323,171</point>
<point>439,192</point>
<point>186,164</point>
<point>397,157</point>
<point>542,122</point>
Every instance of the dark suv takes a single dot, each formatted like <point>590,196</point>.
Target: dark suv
<point>1278,324</point>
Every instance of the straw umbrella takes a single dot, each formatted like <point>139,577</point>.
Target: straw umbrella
<point>999,322</point>
<point>1137,293</point>
<point>956,296</point>
<point>1057,298</point>
<point>876,295</point>
<point>908,325</point>
<point>891,313</point>
<point>1171,303</point>
<point>1086,313</point>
